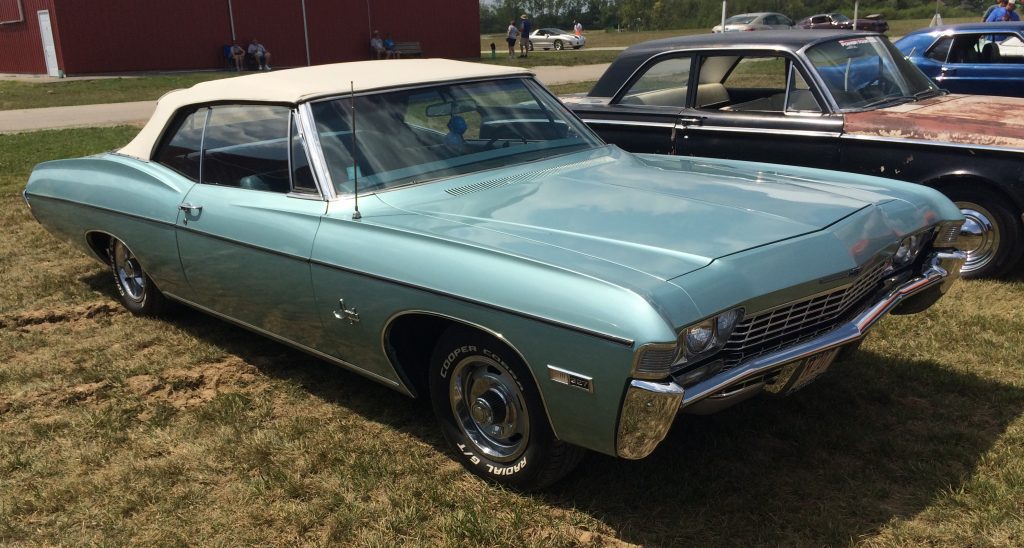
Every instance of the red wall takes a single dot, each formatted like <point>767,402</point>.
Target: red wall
<point>21,48</point>
<point>134,35</point>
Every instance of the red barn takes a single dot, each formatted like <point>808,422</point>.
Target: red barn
<point>90,36</point>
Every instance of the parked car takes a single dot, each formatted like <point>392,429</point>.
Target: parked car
<point>970,57</point>
<point>450,230</point>
<point>834,21</point>
<point>831,99</point>
<point>556,39</point>
<point>755,21</point>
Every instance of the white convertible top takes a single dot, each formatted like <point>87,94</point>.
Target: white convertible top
<point>302,84</point>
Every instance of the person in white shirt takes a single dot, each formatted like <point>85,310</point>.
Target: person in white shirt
<point>260,53</point>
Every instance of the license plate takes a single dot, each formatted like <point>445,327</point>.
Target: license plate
<point>812,368</point>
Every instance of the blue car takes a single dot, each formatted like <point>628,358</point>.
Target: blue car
<point>973,58</point>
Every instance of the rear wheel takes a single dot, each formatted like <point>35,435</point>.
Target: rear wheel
<point>135,289</point>
<point>558,45</point>
<point>991,235</point>
<point>491,413</point>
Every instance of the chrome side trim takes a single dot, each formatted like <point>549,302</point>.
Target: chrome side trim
<point>665,125</point>
<point>794,132</point>
<point>601,335</point>
<point>930,144</point>
<point>647,415</point>
<point>242,244</point>
<point>98,208</point>
<point>943,268</point>
<point>396,385</point>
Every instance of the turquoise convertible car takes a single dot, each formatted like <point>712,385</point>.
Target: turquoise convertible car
<point>450,230</point>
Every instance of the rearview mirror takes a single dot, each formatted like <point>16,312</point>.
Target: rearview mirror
<point>451,108</point>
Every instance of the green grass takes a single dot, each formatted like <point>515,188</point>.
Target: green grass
<point>118,430</point>
<point>21,94</point>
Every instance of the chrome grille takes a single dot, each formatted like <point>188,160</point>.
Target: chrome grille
<point>795,322</point>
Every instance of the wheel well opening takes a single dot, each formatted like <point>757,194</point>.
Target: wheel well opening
<point>98,243</point>
<point>410,342</point>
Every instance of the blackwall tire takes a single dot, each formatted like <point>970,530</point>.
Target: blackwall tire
<point>135,289</point>
<point>992,235</point>
<point>558,45</point>
<point>491,413</point>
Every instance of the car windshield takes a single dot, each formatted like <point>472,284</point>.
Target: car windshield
<point>740,19</point>
<point>414,135</point>
<point>866,72</point>
<point>839,18</point>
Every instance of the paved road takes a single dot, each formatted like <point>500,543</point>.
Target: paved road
<point>16,121</point>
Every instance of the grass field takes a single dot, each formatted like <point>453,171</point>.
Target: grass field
<point>117,430</point>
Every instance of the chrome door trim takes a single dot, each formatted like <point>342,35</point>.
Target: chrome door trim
<point>792,132</point>
<point>666,125</point>
<point>318,162</point>
<point>399,385</point>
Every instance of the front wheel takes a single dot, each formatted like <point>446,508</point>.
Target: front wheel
<point>558,45</point>
<point>991,235</point>
<point>135,289</point>
<point>490,411</point>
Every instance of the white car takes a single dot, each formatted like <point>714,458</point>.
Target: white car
<point>755,21</point>
<point>557,39</point>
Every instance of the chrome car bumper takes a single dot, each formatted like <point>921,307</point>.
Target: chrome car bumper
<point>650,407</point>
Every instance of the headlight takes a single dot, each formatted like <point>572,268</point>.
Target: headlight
<point>697,341</point>
<point>908,249</point>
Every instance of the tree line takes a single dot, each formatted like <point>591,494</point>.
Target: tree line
<point>678,14</point>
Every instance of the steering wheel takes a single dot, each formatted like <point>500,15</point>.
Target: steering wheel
<point>878,87</point>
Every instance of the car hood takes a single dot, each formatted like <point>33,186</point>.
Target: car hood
<point>660,215</point>
<point>962,119</point>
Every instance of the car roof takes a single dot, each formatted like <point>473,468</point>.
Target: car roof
<point>791,40</point>
<point>969,27</point>
<point>294,86</point>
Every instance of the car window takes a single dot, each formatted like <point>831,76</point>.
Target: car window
<point>818,19</point>
<point>180,147</point>
<point>246,146</point>
<point>977,48</point>
<point>663,84</point>
<point>866,72</point>
<point>302,175</point>
<point>415,135</point>
<point>759,83</point>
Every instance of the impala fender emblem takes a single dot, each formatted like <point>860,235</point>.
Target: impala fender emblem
<point>348,314</point>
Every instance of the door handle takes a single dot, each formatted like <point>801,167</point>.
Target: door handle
<point>189,208</point>
<point>691,120</point>
<point>946,70</point>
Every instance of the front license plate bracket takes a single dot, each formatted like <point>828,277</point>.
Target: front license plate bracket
<point>800,373</point>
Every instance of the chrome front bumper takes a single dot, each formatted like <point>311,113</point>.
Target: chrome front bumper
<point>650,407</point>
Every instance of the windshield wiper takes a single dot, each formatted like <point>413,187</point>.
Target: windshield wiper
<point>926,93</point>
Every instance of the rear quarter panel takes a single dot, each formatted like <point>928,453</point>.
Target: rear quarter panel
<point>132,200</point>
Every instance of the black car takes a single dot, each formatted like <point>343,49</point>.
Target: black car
<point>840,100</point>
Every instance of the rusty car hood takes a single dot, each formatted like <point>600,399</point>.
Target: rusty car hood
<point>962,119</point>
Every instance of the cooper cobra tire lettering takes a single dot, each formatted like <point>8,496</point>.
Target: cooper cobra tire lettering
<point>491,413</point>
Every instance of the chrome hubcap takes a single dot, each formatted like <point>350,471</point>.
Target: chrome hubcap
<point>129,272</point>
<point>490,408</point>
<point>979,236</point>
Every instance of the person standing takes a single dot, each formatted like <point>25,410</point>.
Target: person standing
<point>577,28</point>
<point>1007,13</point>
<point>511,38</point>
<point>377,45</point>
<point>993,7</point>
<point>524,35</point>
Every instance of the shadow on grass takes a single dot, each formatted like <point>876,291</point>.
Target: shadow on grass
<point>875,439</point>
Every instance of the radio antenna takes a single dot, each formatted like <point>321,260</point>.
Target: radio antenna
<point>355,153</point>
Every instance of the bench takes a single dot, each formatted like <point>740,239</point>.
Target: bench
<point>409,49</point>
